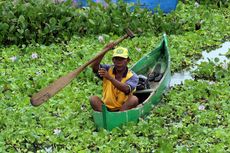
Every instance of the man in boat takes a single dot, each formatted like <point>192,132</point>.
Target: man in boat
<point>119,83</point>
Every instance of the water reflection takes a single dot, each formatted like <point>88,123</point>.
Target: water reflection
<point>180,77</point>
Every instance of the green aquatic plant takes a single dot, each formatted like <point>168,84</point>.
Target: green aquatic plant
<point>211,71</point>
<point>228,54</point>
<point>193,117</point>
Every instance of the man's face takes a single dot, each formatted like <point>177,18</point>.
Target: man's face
<point>120,63</point>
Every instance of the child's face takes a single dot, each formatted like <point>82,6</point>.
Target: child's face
<point>120,63</point>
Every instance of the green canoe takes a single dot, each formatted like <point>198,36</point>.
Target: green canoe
<point>148,98</point>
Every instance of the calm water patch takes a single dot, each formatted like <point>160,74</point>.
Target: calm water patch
<point>180,77</point>
<point>218,53</point>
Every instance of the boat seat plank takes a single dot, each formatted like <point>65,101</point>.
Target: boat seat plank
<point>144,91</point>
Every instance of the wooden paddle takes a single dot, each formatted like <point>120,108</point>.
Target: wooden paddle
<point>49,91</point>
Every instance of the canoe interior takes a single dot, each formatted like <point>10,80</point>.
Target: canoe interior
<point>148,98</point>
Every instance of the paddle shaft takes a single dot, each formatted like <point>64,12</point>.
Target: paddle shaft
<point>48,92</point>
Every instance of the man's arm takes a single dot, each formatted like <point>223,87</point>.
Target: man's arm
<point>120,86</point>
<point>96,63</point>
<point>124,87</point>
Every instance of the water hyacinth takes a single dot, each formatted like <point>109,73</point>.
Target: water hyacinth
<point>68,53</point>
<point>13,58</point>
<point>211,82</point>
<point>57,131</point>
<point>38,73</point>
<point>34,55</point>
<point>49,149</point>
<point>202,21</point>
<point>138,49</point>
<point>101,39</point>
<point>197,4</point>
<point>83,107</point>
<point>201,107</point>
<point>225,65</point>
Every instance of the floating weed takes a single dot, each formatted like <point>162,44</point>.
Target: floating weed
<point>211,71</point>
<point>101,39</point>
<point>49,149</point>
<point>38,73</point>
<point>228,54</point>
<point>34,55</point>
<point>196,4</point>
<point>138,49</point>
<point>201,107</point>
<point>13,58</point>
<point>57,131</point>
<point>177,125</point>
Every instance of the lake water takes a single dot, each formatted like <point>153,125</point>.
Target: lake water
<point>180,77</point>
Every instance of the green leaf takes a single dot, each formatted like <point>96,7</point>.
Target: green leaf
<point>53,21</point>
<point>91,21</point>
<point>21,19</point>
<point>216,59</point>
<point>4,26</point>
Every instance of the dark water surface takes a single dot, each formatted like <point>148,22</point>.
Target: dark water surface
<point>180,77</point>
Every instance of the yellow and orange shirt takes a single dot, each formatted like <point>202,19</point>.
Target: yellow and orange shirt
<point>112,97</point>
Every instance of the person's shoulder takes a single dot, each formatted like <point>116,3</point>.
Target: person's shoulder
<point>134,74</point>
<point>133,80</point>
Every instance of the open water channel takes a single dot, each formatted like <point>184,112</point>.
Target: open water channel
<point>180,77</point>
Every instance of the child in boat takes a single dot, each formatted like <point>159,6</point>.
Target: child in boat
<point>119,83</point>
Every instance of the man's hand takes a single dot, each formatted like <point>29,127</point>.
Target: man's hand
<point>103,73</point>
<point>119,85</point>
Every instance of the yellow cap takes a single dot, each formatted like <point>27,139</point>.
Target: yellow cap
<point>121,52</point>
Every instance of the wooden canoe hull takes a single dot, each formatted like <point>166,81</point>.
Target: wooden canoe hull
<point>110,120</point>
